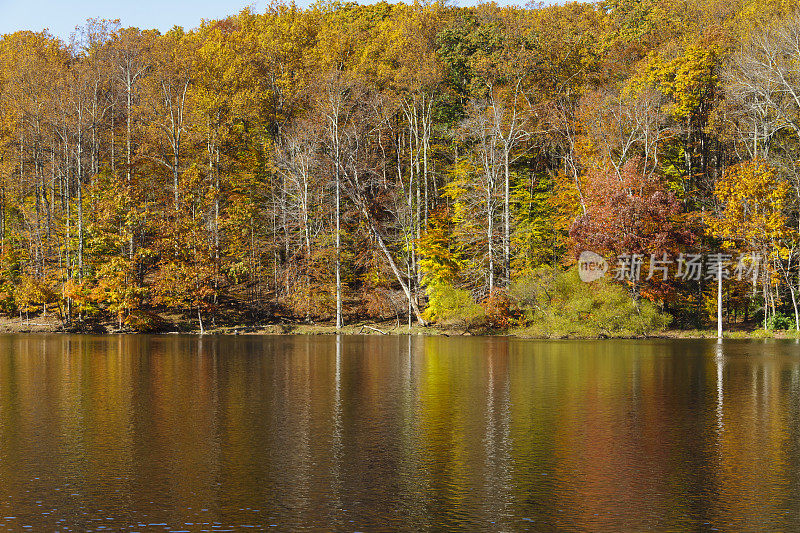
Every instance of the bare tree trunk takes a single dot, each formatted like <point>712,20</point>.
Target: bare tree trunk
<point>338,236</point>
<point>794,306</point>
<point>80,199</point>
<point>490,233</point>
<point>766,301</point>
<point>175,177</point>
<point>719,301</point>
<point>411,300</point>
<point>129,88</point>
<point>113,143</point>
<point>506,222</point>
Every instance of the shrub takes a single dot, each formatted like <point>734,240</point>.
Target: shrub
<point>314,300</point>
<point>498,308</point>
<point>779,321</point>
<point>143,321</point>
<point>558,303</point>
<point>450,306</point>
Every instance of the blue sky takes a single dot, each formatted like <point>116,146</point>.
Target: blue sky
<point>61,17</point>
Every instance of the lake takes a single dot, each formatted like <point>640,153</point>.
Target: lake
<point>414,433</point>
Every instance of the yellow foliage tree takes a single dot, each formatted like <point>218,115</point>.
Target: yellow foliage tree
<point>752,198</point>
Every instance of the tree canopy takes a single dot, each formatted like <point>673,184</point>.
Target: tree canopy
<point>342,161</point>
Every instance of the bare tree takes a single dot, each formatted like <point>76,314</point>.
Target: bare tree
<point>479,128</point>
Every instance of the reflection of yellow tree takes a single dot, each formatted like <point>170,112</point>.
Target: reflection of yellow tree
<point>443,416</point>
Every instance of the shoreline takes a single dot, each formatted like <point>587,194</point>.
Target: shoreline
<point>41,325</point>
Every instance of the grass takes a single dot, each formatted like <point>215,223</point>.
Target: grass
<point>51,324</point>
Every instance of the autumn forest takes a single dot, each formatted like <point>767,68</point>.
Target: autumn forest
<point>403,163</point>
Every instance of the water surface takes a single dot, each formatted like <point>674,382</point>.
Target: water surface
<point>375,433</point>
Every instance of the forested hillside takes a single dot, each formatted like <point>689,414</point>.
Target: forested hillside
<point>392,161</point>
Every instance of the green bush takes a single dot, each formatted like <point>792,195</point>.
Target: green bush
<point>557,303</point>
<point>780,321</point>
<point>450,306</point>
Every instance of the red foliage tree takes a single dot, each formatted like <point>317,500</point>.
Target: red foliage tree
<point>628,212</point>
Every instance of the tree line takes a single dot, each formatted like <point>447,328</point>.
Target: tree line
<point>416,162</point>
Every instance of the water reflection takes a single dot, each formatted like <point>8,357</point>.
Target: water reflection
<point>719,359</point>
<point>353,433</point>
